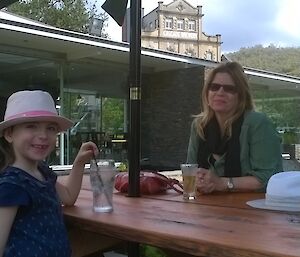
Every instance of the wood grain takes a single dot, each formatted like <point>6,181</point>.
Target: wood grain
<point>215,227</point>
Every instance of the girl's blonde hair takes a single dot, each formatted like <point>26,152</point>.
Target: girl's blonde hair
<point>7,155</point>
<point>245,103</point>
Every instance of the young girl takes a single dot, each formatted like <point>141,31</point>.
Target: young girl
<point>31,218</point>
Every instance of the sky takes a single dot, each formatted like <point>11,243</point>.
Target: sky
<point>241,23</point>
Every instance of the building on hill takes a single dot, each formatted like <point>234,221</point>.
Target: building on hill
<point>177,27</point>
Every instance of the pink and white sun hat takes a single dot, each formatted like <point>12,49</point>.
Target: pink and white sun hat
<point>31,106</point>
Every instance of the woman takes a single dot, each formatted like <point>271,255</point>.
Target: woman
<point>237,149</point>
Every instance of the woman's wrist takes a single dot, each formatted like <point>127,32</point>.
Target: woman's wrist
<point>223,185</point>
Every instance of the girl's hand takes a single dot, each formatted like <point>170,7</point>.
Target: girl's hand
<point>69,188</point>
<point>86,152</point>
<point>208,182</point>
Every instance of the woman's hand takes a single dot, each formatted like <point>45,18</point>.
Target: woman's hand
<point>207,182</point>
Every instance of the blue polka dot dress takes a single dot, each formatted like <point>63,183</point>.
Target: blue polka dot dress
<point>38,229</point>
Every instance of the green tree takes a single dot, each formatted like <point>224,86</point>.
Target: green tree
<point>66,14</point>
<point>272,58</point>
<point>113,114</point>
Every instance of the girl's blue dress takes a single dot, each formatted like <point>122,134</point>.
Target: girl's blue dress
<point>38,229</point>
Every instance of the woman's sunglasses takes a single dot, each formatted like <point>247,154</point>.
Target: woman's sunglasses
<point>227,88</point>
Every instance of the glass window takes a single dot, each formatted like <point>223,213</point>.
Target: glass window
<point>190,51</point>
<point>180,24</point>
<point>192,25</point>
<point>98,119</point>
<point>169,23</point>
<point>209,56</point>
<point>280,106</point>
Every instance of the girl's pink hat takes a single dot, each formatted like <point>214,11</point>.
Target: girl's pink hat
<point>31,106</point>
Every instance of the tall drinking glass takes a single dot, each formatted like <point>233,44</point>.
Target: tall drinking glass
<point>102,177</point>
<point>189,172</point>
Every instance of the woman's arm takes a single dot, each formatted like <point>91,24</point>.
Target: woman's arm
<point>208,181</point>
<point>242,184</point>
<point>69,189</point>
<point>7,216</point>
<point>264,154</point>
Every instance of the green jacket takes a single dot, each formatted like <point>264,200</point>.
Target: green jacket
<point>260,148</point>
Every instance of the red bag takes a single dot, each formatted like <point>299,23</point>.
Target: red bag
<point>151,182</point>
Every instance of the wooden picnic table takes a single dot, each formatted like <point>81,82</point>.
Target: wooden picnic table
<point>217,225</point>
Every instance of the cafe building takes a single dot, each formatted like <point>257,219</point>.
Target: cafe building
<point>87,75</point>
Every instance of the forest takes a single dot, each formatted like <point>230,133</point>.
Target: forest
<point>271,58</point>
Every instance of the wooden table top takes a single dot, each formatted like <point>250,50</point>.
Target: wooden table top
<point>213,225</point>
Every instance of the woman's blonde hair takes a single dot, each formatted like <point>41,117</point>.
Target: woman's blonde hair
<point>236,72</point>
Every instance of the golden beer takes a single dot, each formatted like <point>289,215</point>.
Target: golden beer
<point>189,187</point>
<point>189,172</point>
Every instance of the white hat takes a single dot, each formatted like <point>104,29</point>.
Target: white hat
<point>31,106</point>
<point>282,194</point>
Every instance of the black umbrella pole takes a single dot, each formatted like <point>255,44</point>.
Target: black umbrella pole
<point>134,154</point>
<point>134,149</point>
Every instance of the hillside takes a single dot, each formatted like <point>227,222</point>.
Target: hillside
<point>271,58</point>
<point>281,60</point>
